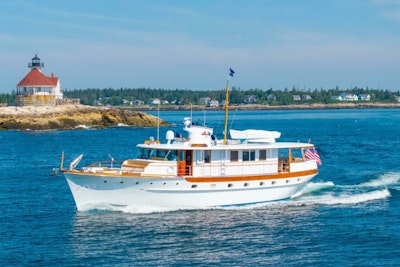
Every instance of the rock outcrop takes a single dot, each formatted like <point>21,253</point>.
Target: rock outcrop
<point>71,117</point>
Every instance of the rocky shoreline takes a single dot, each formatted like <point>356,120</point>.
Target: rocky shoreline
<point>66,117</point>
<point>72,117</point>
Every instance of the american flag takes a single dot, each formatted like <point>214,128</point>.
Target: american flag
<point>311,153</point>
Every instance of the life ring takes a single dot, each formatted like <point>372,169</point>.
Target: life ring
<point>170,170</point>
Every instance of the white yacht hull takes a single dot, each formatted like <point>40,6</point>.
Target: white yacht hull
<point>92,190</point>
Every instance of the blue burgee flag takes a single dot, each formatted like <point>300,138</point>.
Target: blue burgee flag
<point>231,72</point>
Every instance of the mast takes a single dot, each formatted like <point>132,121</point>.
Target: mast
<point>231,73</point>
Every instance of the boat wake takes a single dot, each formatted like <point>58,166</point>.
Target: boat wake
<point>343,198</point>
<point>104,207</point>
<point>327,193</point>
<point>391,180</point>
<point>312,187</point>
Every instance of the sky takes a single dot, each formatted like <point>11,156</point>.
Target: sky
<point>276,44</point>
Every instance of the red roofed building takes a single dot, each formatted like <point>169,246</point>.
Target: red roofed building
<point>36,89</point>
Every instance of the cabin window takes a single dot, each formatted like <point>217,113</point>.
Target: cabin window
<point>181,155</point>
<point>252,155</point>
<point>160,154</point>
<point>207,156</point>
<point>249,155</point>
<point>198,156</point>
<point>234,155</point>
<point>171,155</point>
<point>263,155</point>
<point>146,153</point>
<point>245,156</point>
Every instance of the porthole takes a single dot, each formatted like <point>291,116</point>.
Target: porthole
<point>230,185</point>
<point>261,183</point>
<point>105,181</point>
<point>137,182</point>
<point>246,184</point>
<point>273,182</point>
<point>287,181</point>
<point>194,185</point>
<point>121,182</point>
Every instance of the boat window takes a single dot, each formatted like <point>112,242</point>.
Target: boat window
<point>249,155</point>
<point>272,153</point>
<point>198,156</point>
<point>181,155</point>
<point>158,154</point>
<point>207,156</point>
<point>245,156</point>
<point>145,153</point>
<point>297,154</point>
<point>263,155</point>
<point>234,155</point>
<point>252,155</point>
<point>171,155</point>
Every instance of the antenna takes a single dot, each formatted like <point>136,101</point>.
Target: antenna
<point>158,122</point>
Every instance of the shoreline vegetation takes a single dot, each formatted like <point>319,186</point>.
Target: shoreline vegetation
<point>265,107</point>
<point>65,117</point>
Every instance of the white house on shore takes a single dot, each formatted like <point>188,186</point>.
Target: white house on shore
<point>351,97</point>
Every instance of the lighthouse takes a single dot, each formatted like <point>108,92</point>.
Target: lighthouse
<point>37,89</point>
<point>35,63</point>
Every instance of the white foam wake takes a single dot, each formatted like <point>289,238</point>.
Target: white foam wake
<point>136,209</point>
<point>387,179</point>
<point>313,187</point>
<point>344,198</point>
<point>358,198</point>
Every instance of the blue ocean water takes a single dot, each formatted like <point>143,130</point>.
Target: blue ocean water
<point>347,216</point>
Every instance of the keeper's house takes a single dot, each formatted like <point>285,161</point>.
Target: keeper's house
<point>37,89</point>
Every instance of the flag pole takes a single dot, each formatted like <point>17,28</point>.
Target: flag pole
<point>231,73</point>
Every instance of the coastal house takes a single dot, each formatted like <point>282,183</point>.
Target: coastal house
<point>250,99</point>
<point>127,102</point>
<point>137,102</point>
<point>364,97</point>
<point>296,98</point>
<point>37,89</point>
<point>345,97</point>
<point>213,103</point>
<point>154,101</point>
<point>306,97</point>
<point>204,100</point>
